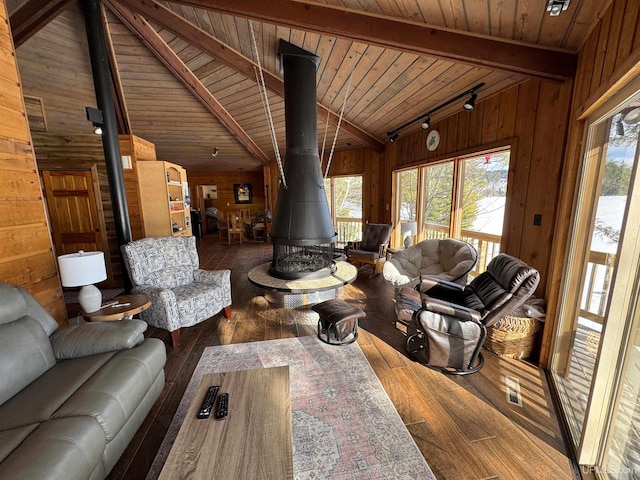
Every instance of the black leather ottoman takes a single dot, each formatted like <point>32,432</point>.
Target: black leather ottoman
<point>338,323</point>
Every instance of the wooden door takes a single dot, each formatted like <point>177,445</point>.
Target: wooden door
<point>76,222</point>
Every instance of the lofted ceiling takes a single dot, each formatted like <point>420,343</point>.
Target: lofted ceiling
<point>185,70</point>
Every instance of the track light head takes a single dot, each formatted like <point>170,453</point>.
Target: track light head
<point>393,136</point>
<point>619,128</point>
<point>215,152</point>
<point>97,130</point>
<point>471,103</point>
<point>427,122</point>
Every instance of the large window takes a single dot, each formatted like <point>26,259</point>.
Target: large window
<point>344,195</point>
<point>460,198</point>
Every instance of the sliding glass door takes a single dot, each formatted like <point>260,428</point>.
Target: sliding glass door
<point>596,361</point>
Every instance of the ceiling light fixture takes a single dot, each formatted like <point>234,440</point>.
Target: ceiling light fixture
<point>556,7</point>
<point>471,103</point>
<point>426,123</point>
<point>97,129</point>
<point>215,152</point>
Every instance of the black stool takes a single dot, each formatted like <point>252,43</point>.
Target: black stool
<point>338,323</point>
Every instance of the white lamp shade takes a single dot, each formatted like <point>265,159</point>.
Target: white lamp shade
<point>409,229</point>
<point>82,268</point>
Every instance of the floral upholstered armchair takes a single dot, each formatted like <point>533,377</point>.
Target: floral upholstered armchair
<point>166,269</point>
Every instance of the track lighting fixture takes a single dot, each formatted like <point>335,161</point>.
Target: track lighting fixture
<point>426,118</point>
<point>471,103</point>
<point>619,128</point>
<point>215,152</point>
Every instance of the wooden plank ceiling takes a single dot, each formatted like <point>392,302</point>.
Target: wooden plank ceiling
<point>187,68</point>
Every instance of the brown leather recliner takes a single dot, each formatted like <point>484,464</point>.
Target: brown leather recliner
<point>451,321</point>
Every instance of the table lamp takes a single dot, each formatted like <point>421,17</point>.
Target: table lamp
<point>408,230</point>
<point>83,269</point>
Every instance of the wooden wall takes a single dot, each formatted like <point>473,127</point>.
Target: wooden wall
<point>225,182</point>
<point>532,117</point>
<point>26,252</point>
<point>608,60</point>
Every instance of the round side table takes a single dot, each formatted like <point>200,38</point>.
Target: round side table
<point>126,306</point>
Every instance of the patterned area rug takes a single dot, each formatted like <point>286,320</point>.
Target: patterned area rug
<point>344,424</point>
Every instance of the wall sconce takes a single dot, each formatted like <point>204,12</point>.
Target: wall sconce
<point>468,106</point>
<point>94,115</point>
<point>619,128</point>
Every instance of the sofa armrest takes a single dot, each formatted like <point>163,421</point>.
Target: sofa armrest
<point>213,277</point>
<point>86,339</point>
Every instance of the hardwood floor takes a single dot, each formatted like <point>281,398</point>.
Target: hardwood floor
<point>464,426</point>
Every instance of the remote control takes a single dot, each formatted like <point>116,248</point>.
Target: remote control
<point>223,406</point>
<point>207,403</point>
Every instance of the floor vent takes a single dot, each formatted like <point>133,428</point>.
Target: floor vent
<point>513,391</point>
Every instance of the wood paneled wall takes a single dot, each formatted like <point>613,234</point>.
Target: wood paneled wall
<point>26,252</point>
<point>375,180</point>
<point>608,60</point>
<point>56,151</point>
<point>225,182</point>
<point>532,118</point>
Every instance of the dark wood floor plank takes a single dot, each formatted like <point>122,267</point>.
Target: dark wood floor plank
<point>394,389</point>
<point>441,461</point>
<point>470,462</point>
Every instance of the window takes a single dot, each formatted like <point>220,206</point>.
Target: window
<point>459,198</point>
<point>344,195</point>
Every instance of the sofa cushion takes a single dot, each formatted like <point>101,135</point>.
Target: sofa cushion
<point>11,439</point>
<point>85,339</point>
<point>64,449</point>
<point>26,354</point>
<point>60,382</point>
<point>113,393</point>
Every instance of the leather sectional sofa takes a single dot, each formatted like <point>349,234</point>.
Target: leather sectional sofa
<point>71,398</point>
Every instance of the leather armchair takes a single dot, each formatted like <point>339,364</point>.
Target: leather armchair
<point>372,248</point>
<point>451,320</point>
<point>166,269</point>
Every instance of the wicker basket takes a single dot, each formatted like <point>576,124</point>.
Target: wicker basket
<point>512,337</point>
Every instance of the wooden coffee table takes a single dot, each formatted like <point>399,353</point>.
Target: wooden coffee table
<point>253,442</point>
<point>126,307</point>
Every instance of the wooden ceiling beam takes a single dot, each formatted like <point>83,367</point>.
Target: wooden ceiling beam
<point>206,42</point>
<point>473,49</point>
<point>33,16</point>
<point>150,38</point>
